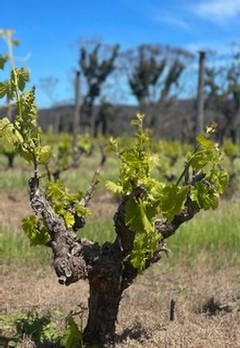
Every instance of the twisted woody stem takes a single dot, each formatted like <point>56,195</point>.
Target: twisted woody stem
<point>108,268</point>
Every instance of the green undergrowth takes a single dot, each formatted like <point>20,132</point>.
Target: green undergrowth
<point>15,249</point>
<point>79,178</point>
<point>41,329</point>
<point>14,179</point>
<point>211,234</point>
<point>100,231</point>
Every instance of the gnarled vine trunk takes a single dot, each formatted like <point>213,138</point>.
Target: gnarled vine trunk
<point>108,268</point>
<point>104,298</point>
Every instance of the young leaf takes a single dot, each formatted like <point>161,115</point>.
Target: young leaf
<point>35,231</point>
<point>171,200</point>
<point>133,216</point>
<point>205,197</point>
<point>3,89</point>
<point>147,225</point>
<point>3,60</point>
<point>81,210</point>
<point>72,336</point>
<point>55,190</point>
<point>44,154</point>
<point>115,188</point>
<point>23,77</point>
<point>9,133</point>
<point>219,179</point>
<point>69,219</point>
<point>205,142</point>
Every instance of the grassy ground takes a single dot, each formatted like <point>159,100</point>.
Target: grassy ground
<point>212,232</point>
<point>201,274</point>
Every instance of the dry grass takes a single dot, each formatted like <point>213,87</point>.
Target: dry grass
<point>144,319</point>
<point>13,207</point>
<point>147,309</point>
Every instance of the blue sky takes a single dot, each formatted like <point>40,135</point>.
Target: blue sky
<point>49,31</point>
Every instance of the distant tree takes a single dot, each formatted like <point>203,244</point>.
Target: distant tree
<point>153,71</point>
<point>172,78</point>
<point>97,62</point>
<point>145,68</point>
<point>222,88</point>
<point>104,113</point>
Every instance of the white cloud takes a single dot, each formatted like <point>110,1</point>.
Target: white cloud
<point>218,10</point>
<point>172,21</point>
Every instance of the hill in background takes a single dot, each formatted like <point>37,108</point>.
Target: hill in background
<point>171,120</point>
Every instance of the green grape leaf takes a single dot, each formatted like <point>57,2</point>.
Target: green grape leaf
<point>156,190</point>
<point>143,247</point>
<point>3,60</point>
<point>4,125</point>
<point>44,154</point>
<point>25,153</point>
<point>172,200</point>
<point>133,217</point>
<point>205,142</point>
<point>72,336</point>
<point>115,188</point>
<point>138,121</point>
<point>55,190</point>
<point>81,210</point>
<point>69,219</point>
<point>148,226</point>
<point>3,89</point>
<point>221,181</point>
<point>201,158</point>
<point>112,145</point>
<point>139,218</point>
<point>23,77</point>
<point>35,231</point>
<point>59,208</point>
<point>218,179</point>
<point>154,161</point>
<point>206,197</point>
<point>138,254</point>
<point>9,133</point>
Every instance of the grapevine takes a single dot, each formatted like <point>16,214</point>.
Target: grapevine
<point>150,210</point>
<point>201,182</point>
<point>25,136</point>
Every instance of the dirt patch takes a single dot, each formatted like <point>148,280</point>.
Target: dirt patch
<point>103,206</point>
<point>145,313</point>
<point>144,316</point>
<point>15,205</point>
<point>24,289</point>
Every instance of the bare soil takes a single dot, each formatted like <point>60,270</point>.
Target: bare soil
<point>206,312</point>
<point>207,300</point>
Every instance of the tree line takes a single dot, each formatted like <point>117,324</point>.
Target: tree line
<point>159,75</point>
<point>155,76</point>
